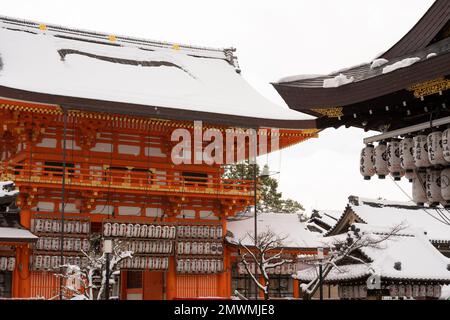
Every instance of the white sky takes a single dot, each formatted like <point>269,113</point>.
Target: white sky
<point>273,39</point>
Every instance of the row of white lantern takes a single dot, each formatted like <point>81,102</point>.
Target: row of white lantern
<point>199,248</point>
<point>415,291</point>
<point>402,157</point>
<point>138,230</point>
<point>287,268</point>
<point>54,226</point>
<point>431,186</point>
<point>69,244</point>
<point>7,263</point>
<point>41,262</point>
<point>146,263</point>
<point>194,231</point>
<point>199,266</point>
<point>149,246</point>
<point>352,292</point>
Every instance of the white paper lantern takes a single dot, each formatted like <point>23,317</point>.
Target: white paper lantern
<point>180,265</point>
<point>144,231</point>
<point>367,162</point>
<point>435,151</point>
<point>446,144</point>
<point>419,188</point>
<point>115,229</point>
<point>421,151</point>
<point>381,163</point>
<point>445,184</point>
<point>122,230</point>
<point>107,229</point>
<point>151,231</point>
<point>219,232</point>
<point>11,264</point>
<point>433,187</point>
<point>394,163</point>
<point>136,230</point>
<point>172,232</point>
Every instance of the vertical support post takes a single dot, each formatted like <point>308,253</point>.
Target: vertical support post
<point>63,194</point>
<point>320,282</point>
<point>107,276</point>
<point>256,223</point>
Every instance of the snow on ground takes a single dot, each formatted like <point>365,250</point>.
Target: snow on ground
<point>400,64</point>
<point>337,81</point>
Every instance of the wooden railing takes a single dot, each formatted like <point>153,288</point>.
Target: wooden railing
<point>107,178</point>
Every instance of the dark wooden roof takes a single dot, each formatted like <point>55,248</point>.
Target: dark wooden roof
<point>424,33</point>
<point>113,107</point>
<point>377,98</point>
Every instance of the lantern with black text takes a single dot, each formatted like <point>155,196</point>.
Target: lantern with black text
<point>381,163</point>
<point>445,184</point>
<point>446,145</point>
<point>367,162</point>
<point>419,188</point>
<point>394,166</point>
<point>433,187</point>
<point>435,152</point>
<point>421,151</point>
<point>407,158</point>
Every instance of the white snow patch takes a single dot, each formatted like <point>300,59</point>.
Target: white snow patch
<point>378,63</point>
<point>337,81</point>
<point>299,77</point>
<point>401,64</point>
<point>431,55</point>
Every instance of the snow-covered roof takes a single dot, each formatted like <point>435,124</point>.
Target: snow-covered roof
<point>323,220</point>
<point>390,213</point>
<point>16,235</point>
<point>282,224</point>
<point>5,189</point>
<point>418,258</point>
<point>72,63</point>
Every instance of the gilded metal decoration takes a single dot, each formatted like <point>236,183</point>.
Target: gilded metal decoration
<point>335,112</point>
<point>430,87</point>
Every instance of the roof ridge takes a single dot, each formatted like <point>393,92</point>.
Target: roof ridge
<point>104,35</point>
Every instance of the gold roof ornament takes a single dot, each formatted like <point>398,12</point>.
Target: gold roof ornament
<point>334,112</point>
<point>430,87</point>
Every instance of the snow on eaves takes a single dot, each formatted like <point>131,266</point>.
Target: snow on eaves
<point>378,63</point>
<point>282,224</point>
<point>151,75</point>
<point>400,64</point>
<point>299,77</point>
<point>337,81</point>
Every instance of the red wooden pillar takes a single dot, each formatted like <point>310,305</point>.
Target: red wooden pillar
<point>16,276</point>
<point>296,288</point>
<point>24,272</point>
<point>171,280</point>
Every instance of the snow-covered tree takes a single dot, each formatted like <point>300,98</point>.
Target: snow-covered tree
<point>341,250</point>
<point>80,282</point>
<point>267,254</point>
